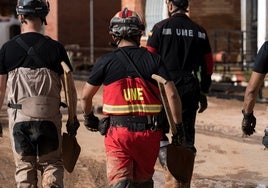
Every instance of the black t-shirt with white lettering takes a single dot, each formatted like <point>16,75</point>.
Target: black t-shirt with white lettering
<point>183,46</point>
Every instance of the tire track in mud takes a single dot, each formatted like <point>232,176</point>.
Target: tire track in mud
<point>242,178</point>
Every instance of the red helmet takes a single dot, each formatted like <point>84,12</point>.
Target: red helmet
<point>126,23</point>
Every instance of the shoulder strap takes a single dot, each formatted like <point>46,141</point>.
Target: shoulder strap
<point>31,51</point>
<point>123,57</point>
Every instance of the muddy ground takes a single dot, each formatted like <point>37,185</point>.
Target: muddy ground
<point>224,159</point>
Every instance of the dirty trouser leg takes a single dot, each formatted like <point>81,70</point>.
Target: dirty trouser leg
<point>26,167</point>
<point>52,170</point>
<point>26,172</point>
<point>131,184</point>
<point>51,164</point>
<point>131,157</point>
<point>30,140</point>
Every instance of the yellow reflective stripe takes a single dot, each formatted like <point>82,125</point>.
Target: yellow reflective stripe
<point>152,108</point>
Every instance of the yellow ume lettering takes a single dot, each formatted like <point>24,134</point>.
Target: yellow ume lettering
<point>131,94</point>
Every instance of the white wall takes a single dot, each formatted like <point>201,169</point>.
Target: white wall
<point>262,22</point>
<point>4,28</point>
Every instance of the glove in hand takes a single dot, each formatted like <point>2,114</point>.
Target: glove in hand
<point>91,122</point>
<point>203,102</point>
<point>248,123</point>
<point>104,125</point>
<point>162,155</point>
<point>178,139</point>
<point>265,138</point>
<point>72,128</point>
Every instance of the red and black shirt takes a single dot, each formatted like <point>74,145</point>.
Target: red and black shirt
<point>125,93</point>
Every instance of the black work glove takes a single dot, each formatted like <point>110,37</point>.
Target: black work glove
<point>72,128</point>
<point>248,123</point>
<point>178,139</point>
<point>265,138</point>
<point>104,125</point>
<point>203,102</point>
<point>91,122</point>
<point>1,130</point>
<point>162,155</point>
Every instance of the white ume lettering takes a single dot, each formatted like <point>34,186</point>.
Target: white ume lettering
<point>131,94</point>
<point>184,33</point>
<point>167,31</point>
<point>201,35</point>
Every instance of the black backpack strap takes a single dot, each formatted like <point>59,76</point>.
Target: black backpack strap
<point>31,51</point>
<point>123,57</point>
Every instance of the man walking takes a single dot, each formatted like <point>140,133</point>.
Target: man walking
<point>184,48</point>
<point>131,102</point>
<point>30,66</point>
<point>257,77</point>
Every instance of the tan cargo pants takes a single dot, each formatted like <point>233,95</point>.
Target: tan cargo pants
<point>49,164</point>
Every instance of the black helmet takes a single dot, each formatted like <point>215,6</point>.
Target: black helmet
<point>181,4</point>
<point>126,24</point>
<point>38,8</point>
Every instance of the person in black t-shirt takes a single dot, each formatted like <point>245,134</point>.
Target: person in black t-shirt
<point>185,49</point>
<point>131,102</point>
<point>30,66</point>
<point>258,74</point>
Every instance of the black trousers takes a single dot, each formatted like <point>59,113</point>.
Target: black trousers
<point>190,101</point>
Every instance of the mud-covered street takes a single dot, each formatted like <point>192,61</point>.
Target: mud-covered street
<point>224,159</point>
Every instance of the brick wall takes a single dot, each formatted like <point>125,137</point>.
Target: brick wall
<point>220,14</point>
<point>212,15</point>
<point>69,22</point>
<point>136,5</point>
<point>51,29</point>
<point>221,17</point>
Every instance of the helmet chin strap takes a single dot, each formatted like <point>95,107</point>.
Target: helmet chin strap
<point>44,21</point>
<point>22,19</point>
<point>117,40</point>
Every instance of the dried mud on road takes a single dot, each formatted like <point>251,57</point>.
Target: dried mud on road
<point>224,159</point>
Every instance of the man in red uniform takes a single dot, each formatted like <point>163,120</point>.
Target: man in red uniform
<point>184,48</point>
<point>131,102</point>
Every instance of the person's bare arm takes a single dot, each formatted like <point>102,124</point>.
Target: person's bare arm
<point>3,84</point>
<point>174,102</point>
<point>251,92</point>
<point>88,93</point>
